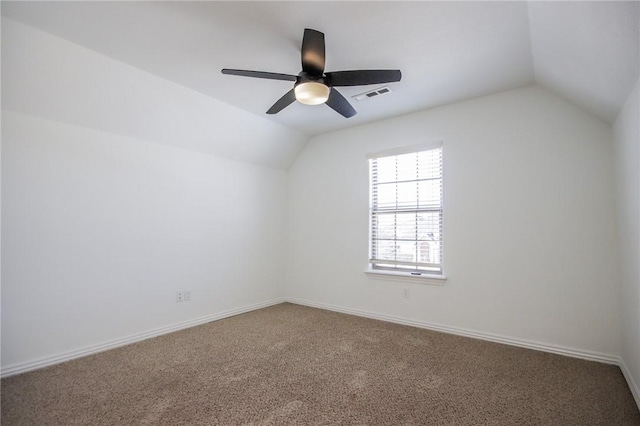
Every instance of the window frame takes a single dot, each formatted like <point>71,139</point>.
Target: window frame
<point>399,274</point>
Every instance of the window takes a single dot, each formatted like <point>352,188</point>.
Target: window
<point>406,210</point>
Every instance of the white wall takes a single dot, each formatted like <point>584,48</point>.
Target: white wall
<point>626,131</point>
<point>120,188</point>
<point>100,231</point>
<point>529,221</point>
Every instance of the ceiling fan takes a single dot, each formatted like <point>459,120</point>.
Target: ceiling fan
<point>313,86</point>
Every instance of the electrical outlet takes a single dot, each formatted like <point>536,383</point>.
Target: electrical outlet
<point>179,296</point>
<point>405,292</point>
<point>187,295</point>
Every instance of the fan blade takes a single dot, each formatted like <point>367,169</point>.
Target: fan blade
<point>283,102</point>
<point>339,104</point>
<point>362,77</point>
<point>260,74</point>
<point>313,52</point>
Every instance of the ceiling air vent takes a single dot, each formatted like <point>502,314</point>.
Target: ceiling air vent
<point>372,93</point>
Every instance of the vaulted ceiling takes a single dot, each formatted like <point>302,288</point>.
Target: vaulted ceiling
<point>586,52</point>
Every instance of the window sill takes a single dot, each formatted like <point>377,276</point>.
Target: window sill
<point>405,276</point>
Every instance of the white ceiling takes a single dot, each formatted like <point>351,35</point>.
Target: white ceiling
<point>586,52</point>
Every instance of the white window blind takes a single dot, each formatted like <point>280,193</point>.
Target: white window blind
<point>406,210</point>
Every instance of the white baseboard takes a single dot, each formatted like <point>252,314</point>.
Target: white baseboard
<point>90,350</point>
<point>93,349</point>
<point>635,389</point>
<point>529,344</point>
<point>555,349</point>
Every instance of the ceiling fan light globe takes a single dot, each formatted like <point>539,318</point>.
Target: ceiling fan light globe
<point>312,93</point>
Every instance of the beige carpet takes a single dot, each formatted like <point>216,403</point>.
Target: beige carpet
<point>290,364</point>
